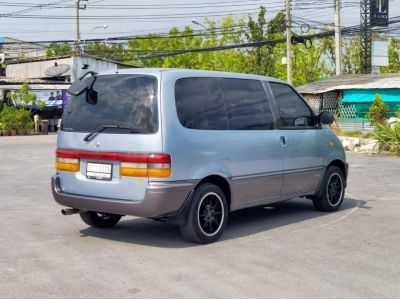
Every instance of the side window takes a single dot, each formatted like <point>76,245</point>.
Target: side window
<point>247,104</point>
<point>293,111</point>
<point>199,103</point>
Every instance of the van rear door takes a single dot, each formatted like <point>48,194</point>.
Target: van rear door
<point>122,113</point>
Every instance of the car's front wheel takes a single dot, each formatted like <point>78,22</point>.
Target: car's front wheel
<point>333,188</point>
<point>207,215</point>
<point>99,220</point>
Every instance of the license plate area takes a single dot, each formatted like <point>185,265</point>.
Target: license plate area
<point>99,171</point>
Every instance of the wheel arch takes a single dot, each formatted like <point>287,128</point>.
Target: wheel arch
<point>341,165</point>
<point>218,180</point>
<point>337,163</point>
<point>222,183</point>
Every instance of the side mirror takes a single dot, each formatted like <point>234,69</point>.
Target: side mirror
<point>77,88</point>
<point>302,121</point>
<point>325,118</point>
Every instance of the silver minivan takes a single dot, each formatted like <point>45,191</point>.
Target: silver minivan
<point>190,147</point>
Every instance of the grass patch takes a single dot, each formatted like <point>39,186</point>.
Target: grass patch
<point>388,138</point>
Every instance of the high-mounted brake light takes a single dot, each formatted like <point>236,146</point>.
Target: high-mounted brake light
<point>131,164</point>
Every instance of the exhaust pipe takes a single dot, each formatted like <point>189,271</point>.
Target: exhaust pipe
<point>70,211</point>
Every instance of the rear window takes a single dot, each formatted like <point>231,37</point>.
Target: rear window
<point>124,100</point>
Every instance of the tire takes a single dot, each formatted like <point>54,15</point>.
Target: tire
<point>333,189</point>
<point>207,215</point>
<point>99,220</point>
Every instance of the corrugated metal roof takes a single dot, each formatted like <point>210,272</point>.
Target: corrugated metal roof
<point>7,83</point>
<point>41,58</point>
<point>352,81</point>
<point>10,80</point>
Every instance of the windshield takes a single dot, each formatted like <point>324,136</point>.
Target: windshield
<point>122,100</point>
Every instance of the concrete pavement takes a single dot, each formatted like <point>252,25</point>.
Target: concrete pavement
<point>283,251</point>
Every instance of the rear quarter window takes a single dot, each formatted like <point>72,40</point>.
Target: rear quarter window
<point>199,103</point>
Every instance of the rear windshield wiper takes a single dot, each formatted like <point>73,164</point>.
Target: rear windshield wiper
<point>92,134</point>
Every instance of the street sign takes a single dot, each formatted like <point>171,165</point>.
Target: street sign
<point>380,13</point>
<point>380,53</point>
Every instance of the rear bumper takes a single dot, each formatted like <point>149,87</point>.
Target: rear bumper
<point>161,199</point>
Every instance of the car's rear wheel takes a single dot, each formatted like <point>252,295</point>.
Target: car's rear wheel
<point>333,188</point>
<point>207,215</point>
<point>99,219</point>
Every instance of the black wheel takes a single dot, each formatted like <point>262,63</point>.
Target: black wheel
<point>333,189</point>
<point>99,220</point>
<point>207,215</point>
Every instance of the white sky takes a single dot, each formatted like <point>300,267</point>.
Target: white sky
<point>53,29</point>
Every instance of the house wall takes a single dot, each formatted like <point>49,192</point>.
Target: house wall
<point>35,69</point>
<point>361,100</point>
<point>96,65</point>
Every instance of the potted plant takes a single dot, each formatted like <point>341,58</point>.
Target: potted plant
<point>13,123</point>
<point>29,126</point>
<point>10,120</point>
<point>21,120</point>
<point>1,128</point>
<point>4,116</point>
<point>22,117</point>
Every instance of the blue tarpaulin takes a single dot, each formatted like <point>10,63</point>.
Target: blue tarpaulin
<point>368,95</point>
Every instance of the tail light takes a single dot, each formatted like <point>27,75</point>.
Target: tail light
<point>135,165</point>
<point>148,165</point>
<point>67,161</point>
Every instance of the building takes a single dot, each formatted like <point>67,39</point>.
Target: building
<point>13,48</point>
<point>50,77</point>
<point>349,97</point>
<point>65,68</point>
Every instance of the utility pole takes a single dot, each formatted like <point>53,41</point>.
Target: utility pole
<point>288,42</point>
<point>338,39</point>
<point>78,33</point>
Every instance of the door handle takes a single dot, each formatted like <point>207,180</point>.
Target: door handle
<point>283,141</point>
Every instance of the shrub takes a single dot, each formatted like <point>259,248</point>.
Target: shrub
<point>378,111</point>
<point>7,117</point>
<point>22,118</point>
<point>24,96</point>
<point>388,138</point>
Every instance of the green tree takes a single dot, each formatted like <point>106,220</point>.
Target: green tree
<point>378,111</point>
<point>260,57</point>
<point>394,57</point>
<point>309,64</point>
<point>146,49</point>
<point>313,63</point>
<point>58,49</point>
<point>24,96</point>
<point>115,52</point>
